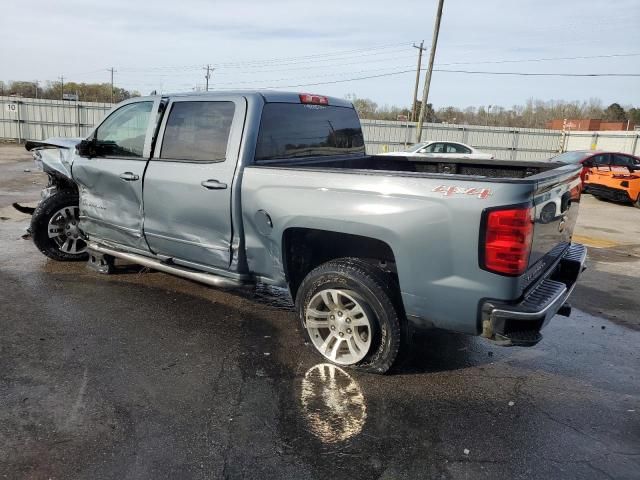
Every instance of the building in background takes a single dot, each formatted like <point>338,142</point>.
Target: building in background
<point>588,124</point>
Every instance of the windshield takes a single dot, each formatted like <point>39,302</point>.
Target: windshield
<point>571,157</point>
<point>292,130</point>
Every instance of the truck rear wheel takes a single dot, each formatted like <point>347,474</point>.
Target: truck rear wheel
<point>351,313</point>
<point>54,227</point>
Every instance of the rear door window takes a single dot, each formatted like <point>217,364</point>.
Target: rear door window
<point>292,130</point>
<point>457,148</point>
<point>197,131</point>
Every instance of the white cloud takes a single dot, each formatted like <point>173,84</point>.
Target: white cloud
<point>162,44</point>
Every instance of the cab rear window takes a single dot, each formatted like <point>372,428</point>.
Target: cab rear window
<point>291,130</point>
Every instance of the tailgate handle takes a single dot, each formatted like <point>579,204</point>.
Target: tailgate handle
<point>213,184</point>
<point>129,176</point>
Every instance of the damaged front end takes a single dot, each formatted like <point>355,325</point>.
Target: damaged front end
<point>53,156</point>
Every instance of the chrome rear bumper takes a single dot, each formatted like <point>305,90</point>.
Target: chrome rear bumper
<point>520,323</point>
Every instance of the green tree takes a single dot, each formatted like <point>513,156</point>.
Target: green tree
<point>633,115</point>
<point>614,113</point>
<point>87,92</point>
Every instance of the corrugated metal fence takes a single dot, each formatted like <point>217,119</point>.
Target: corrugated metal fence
<point>36,119</point>
<point>503,142</point>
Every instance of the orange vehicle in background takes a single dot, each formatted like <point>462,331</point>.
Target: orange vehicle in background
<point>614,182</point>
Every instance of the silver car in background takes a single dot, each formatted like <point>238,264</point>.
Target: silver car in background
<point>433,149</point>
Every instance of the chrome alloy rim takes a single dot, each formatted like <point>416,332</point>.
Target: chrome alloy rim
<point>339,326</point>
<point>63,229</point>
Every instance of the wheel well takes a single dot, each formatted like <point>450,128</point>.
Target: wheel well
<point>60,181</point>
<point>306,248</point>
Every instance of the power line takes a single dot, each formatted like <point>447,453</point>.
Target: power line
<point>585,57</point>
<point>184,70</point>
<point>533,74</point>
<point>460,71</point>
<point>271,61</point>
<point>408,66</point>
<point>266,63</point>
<point>320,55</point>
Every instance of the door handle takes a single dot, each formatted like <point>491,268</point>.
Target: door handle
<point>129,177</point>
<point>213,184</point>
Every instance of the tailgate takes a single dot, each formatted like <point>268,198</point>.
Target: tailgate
<point>556,201</point>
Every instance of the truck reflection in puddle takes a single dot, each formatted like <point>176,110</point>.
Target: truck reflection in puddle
<point>332,403</point>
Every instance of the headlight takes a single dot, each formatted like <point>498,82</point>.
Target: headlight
<point>37,159</point>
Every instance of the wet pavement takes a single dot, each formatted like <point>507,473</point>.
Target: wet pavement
<point>141,375</point>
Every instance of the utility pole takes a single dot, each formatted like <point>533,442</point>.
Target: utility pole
<point>61,87</point>
<point>415,90</point>
<point>207,75</point>
<point>112,70</point>
<point>427,81</point>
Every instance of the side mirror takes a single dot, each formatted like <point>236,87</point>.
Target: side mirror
<point>633,168</point>
<point>87,148</point>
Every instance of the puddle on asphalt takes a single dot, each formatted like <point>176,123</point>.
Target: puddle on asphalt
<point>332,403</point>
<point>268,295</point>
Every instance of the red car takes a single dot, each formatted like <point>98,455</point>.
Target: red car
<point>596,158</point>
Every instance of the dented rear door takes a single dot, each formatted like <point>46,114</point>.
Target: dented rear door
<point>188,183</point>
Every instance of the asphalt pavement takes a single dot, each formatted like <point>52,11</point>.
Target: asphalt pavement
<point>140,375</point>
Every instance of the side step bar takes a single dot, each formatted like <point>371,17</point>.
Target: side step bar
<point>207,278</point>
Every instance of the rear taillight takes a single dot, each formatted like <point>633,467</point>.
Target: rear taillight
<point>313,99</point>
<point>507,240</point>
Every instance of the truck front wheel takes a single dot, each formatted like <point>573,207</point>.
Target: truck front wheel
<point>351,313</point>
<point>54,227</point>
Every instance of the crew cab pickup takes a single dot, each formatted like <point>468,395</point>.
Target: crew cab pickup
<point>236,188</point>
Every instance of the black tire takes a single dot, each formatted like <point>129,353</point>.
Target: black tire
<point>380,293</point>
<point>637,202</point>
<point>40,226</point>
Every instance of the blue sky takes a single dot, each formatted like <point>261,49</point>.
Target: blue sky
<point>163,45</point>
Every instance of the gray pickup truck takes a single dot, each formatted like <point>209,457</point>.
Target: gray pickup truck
<point>236,188</point>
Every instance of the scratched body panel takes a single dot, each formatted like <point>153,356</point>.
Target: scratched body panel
<point>433,236</point>
<point>432,222</point>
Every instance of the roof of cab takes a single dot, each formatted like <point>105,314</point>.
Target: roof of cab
<point>269,96</point>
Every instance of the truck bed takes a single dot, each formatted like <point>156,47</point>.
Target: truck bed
<point>496,169</point>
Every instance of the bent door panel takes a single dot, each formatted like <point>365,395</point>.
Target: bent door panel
<point>187,186</point>
<point>110,184</point>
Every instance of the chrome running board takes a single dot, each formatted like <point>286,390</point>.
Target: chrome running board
<point>207,278</point>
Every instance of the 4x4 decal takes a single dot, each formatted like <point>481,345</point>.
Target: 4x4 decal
<point>450,190</point>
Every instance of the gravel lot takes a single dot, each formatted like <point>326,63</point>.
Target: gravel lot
<point>141,375</point>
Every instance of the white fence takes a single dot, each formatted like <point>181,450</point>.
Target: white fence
<point>504,142</point>
<point>37,119</point>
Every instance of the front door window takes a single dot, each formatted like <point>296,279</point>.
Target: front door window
<point>123,133</point>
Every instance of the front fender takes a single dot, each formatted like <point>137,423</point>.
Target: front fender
<point>55,155</point>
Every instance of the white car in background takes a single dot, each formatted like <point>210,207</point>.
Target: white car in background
<point>443,150</point>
